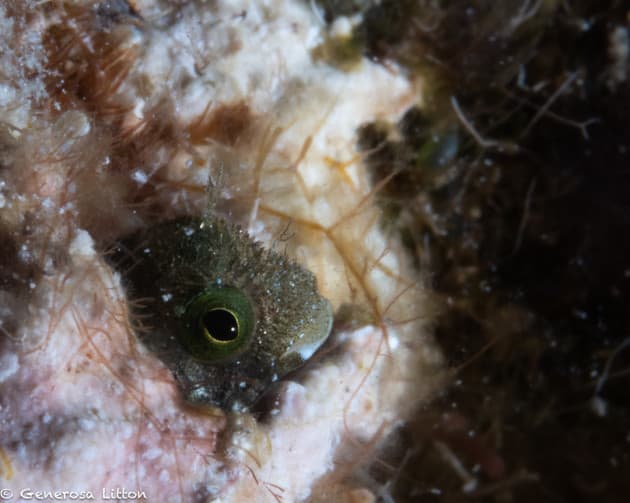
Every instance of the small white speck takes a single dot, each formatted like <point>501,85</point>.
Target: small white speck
<point>8,366</point>
<point>82,244</point>
<point>127,431</point>
<point>86,424</point>
<point>580,314</point>
<point>469,486</point>
<point>153,453</point>
<point>24,253</point>
<point>167,297</point>
<point>599,406</point>
<point>138,109</point>
<point>393,342</point>
<point>164,476</point>
<point>140,177</point>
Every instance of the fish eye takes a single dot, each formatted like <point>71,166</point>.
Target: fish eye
<point>219,324</point>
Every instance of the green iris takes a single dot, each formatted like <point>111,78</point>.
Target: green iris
<point>219,324</point>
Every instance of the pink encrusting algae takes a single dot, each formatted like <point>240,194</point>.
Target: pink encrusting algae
<point>114,118</point>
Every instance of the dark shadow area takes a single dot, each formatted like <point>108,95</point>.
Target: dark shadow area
<point>512,188</point>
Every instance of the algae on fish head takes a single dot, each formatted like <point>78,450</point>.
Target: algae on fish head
<point>227,316</point>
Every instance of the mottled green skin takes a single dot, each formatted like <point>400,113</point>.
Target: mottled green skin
<point>173,262</point>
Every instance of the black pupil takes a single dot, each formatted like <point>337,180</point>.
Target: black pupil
<point>221,325</point>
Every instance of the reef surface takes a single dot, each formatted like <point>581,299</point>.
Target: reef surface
<point>116,116</point>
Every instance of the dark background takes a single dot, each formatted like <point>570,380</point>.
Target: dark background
<point>511,186</point>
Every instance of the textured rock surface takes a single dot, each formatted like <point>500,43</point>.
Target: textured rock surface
<point>114,118</point>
